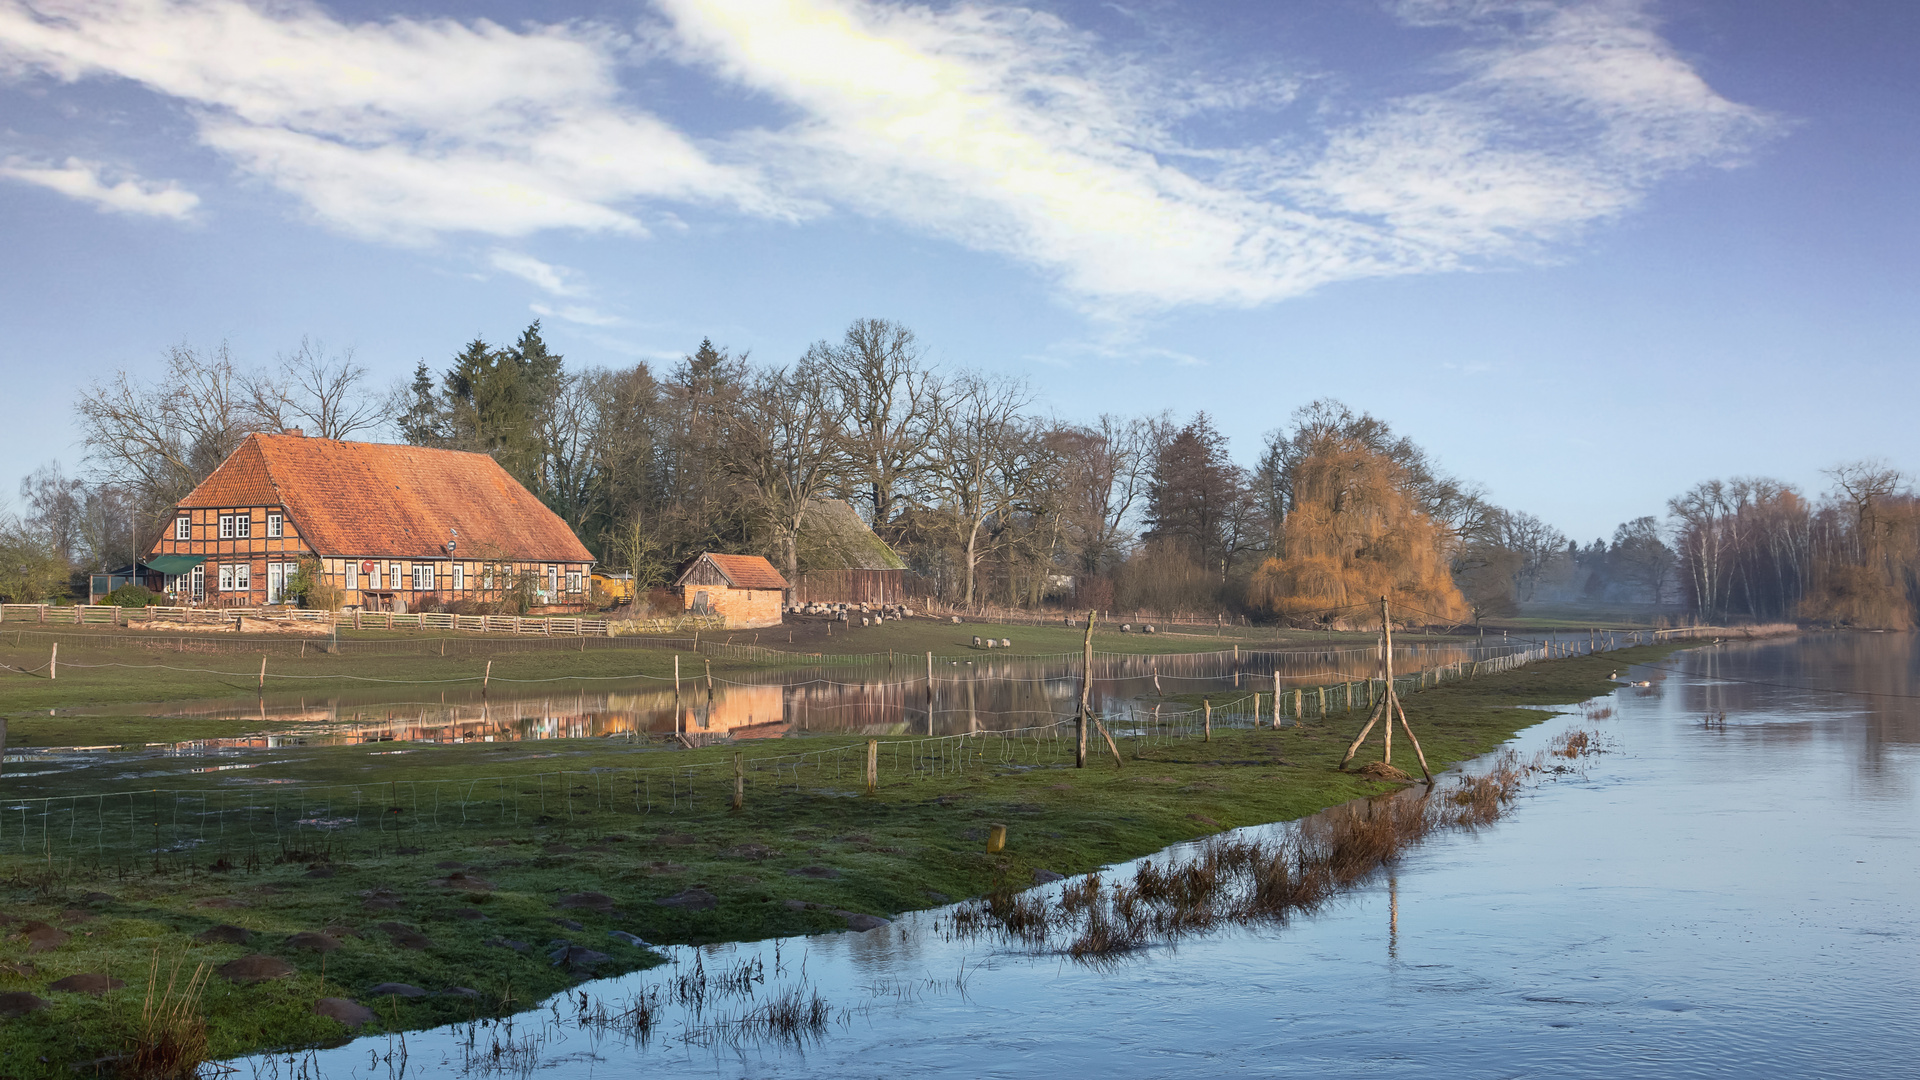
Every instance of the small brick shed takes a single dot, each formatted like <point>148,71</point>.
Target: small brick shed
<point>746,589</point>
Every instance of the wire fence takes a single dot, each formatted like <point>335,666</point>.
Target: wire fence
<point>242,818</point>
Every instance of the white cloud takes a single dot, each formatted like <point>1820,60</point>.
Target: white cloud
<point>396,130</point>
<point>554,279</point>
<point>128,194</point>
<point>1000,128</point>
<point>1007,131</point>
<point>576,313</point>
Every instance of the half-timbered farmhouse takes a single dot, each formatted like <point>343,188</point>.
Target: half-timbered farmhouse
<point>391,527</point>
<point>746,589</point>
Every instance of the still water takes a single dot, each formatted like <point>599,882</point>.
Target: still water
<point>1719,900</point>
<point>966,693</point>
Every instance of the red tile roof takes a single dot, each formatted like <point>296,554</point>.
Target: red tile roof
<point>364,499</point>
<point>746,571</point>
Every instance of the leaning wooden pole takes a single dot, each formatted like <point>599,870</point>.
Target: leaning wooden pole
<point>1086,700</point>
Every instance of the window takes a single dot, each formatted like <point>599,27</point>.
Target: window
<point>423,577</point>
<point>459,577</point>
<point>273,526</point>
<point>226,577</point>
<point>200,583</point>
<point>242,525</point>
<point>226,526</point>
<point>353,575</point>
<point>242,577</point>
<point>486,577</point>
<point>183,528</point>
<point>393,576</point>
<point>373,576</point>
<point>573,581</point>
<point>553,579</point>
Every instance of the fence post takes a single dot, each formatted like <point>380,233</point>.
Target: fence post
<point>873,765</point>
<point>53,665</point>
<point>1276,701</point>
<point>739,780</point>
<point>1208,706</point>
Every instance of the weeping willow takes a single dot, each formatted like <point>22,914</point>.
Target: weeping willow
<point>1355,532</point>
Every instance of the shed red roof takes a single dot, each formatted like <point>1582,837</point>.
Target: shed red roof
<point>355,498</point>
<point>746,571</point>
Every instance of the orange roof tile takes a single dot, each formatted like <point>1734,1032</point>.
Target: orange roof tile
<point>746,571</point>
<point>365,499</point>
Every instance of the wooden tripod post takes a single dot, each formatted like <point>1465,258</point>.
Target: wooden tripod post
<point>1389,706</point>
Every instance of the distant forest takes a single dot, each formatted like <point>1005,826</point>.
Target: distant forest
<point>992,500</point>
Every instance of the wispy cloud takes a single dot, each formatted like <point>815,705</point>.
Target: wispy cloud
<point>397,130</point>
<point>558,280</point>
<point>576,313</point>
<point>126,194</point>
<point>1000,128</point>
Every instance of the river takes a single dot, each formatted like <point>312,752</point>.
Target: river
<point>1707,899</point>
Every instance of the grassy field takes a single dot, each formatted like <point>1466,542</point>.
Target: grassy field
<point>807,854</point>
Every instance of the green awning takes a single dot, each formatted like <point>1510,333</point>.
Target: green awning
<point>175,564</point>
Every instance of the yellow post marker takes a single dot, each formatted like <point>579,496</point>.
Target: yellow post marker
<point>996,838</point>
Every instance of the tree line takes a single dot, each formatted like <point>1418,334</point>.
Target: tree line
<point>991,499</point>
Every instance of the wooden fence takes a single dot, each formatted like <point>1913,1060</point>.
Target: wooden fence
<point>546,626</point>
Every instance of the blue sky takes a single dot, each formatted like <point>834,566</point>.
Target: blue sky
<point>1588,253</point>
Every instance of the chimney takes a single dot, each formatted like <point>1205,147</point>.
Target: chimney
<point>297,433</point>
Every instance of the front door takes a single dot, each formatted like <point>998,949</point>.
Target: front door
<point>276,582</point>
<point>199,588</point>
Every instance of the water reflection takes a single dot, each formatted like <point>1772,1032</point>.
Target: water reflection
<point>986,693</point>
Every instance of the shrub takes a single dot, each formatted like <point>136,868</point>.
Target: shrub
<point>130,596</point>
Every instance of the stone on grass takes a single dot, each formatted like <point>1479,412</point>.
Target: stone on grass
<point>88,982</point>
<point>406,937</point>
<point>567,924</point>
<point>18,1003</point>
<point>254,968</point>
<point>690,899</point>
<point>628,939</point>
<point>314,941</point>
<point>224,934</point>
<point>588,901</point>
<point>862,922</point>
<point>44,938</point>
<point>576,958</point>
<point>1043,877</point>
<point>393,989</point>
<point>347,1011</point>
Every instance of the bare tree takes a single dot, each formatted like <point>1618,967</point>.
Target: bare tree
<point>324,396</point>
<point>164,437</point>
<point>780,444</point>
<point>977,435</point>
<point>891,405</point>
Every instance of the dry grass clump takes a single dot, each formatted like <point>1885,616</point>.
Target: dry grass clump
<point>172,1041</point>
<point>1239,879</point>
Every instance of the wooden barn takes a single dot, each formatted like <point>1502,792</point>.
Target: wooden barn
<point>842,561</point>
<point>745,589</point>
<point>391,527</point>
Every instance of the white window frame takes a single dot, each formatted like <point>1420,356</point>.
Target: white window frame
<point>182,527</point>
<point>423,576</point>
<point>394,580</point>
<point>353,575</point>
<point>198,589</point>
<point>459,577</point>
<point>374,577</point>
<point>573,581</point>
<point>243,526</point>
<point>243,577</point>
<point>226,526</point>
<point>226,577</point>
<point>553,580</point>
<point>276,582</point>
<point>486,578</point>
<point>275,526</point>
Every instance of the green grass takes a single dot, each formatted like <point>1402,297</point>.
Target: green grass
<point>916,843</point>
